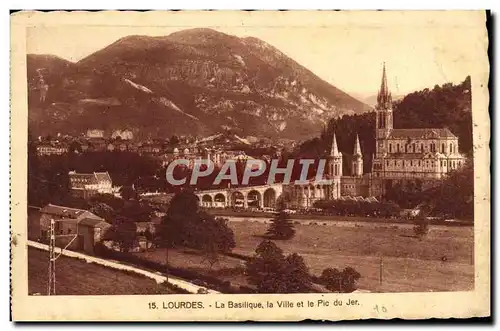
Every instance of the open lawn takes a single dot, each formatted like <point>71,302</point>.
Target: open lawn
<point>442,261</point>
<point>227,268</point>
<point>77,277</point>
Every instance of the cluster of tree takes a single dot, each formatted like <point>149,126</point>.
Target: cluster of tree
<point>406,194</point>
<point>454,197</point>
<point>270,271</point>
<point>186,225</point>
<point>345,128</point>
<point>358,208</point>
<point>448,105</point>
<point>344,281</point>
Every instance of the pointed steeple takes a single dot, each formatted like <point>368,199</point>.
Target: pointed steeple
<point>357,148</point>
<point>384,98</point>
<point>334,151</point>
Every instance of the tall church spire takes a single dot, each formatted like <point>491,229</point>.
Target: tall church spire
<point>357,148</point>
<point>334,151</point>
<point>384,98</point>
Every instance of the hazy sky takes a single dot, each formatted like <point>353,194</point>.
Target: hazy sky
<point>347,56</point>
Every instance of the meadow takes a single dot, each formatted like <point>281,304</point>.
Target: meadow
<point>441,261</point>
<point>77,277</point>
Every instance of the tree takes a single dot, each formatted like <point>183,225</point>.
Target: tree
<point>266,269</point>
<point>128,193</point>
<point>149,237</point>
<point>103,210</point>
<point>297,275</point>
<point>124,233</point>
<point>281,226</point>
<point>186,225</point>
<point>332,279</point>
<point>350,278</point>
<point>340,282</point>
<point>271,272</point>
<point>421,226</point>
<point>75,147</point>
<point>210,251</point>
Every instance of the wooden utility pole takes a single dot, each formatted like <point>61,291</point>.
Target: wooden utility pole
<point>381,270</point>
<point>51,287</point>
<point>51,284</point>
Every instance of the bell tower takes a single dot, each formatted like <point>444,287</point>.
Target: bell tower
<point>335,169</point>
<point>383,110</point>
<point>357,160</point>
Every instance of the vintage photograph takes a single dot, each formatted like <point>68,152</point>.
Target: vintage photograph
<point>252,159</point>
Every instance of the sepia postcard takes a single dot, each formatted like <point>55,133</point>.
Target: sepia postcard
<point>249,165</point>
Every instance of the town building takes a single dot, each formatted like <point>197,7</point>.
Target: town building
<point>45,149</point>
<point>122,134</point>
<point>79,228</point>
<point>86,185</point>
<point>95,133</point>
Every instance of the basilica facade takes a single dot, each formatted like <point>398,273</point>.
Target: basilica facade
<point>424,155</point>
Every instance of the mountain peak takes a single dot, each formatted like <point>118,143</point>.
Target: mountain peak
<point>200,36</point>
<point>189,82</point>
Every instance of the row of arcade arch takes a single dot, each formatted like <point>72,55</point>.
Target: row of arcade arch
<point>252,199</point>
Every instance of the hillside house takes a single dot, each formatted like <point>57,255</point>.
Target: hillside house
<point>86,185</point>
<point>89,228</point>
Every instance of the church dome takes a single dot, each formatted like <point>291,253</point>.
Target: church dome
<point>176,150</point>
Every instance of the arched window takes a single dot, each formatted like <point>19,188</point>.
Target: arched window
<point>422,147</point>
<point>390,148</point>
<point>442,148</point>
<point>397,148</point>
<point>406,148</point>
<point>413,147</point>
<point>451,148</point>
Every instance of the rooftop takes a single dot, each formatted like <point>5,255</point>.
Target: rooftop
<point>68,213</point>
<point>421,133</point>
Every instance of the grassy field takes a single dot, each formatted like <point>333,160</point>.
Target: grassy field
<point>409,264</point>
<point>320,218</point>
<point>227,268</point>
<point>442,261</point>
<point>76,277</point>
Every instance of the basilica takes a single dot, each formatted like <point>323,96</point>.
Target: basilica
<point>423,156</point>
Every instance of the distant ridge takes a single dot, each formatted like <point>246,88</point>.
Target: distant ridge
<point>193,81</point>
